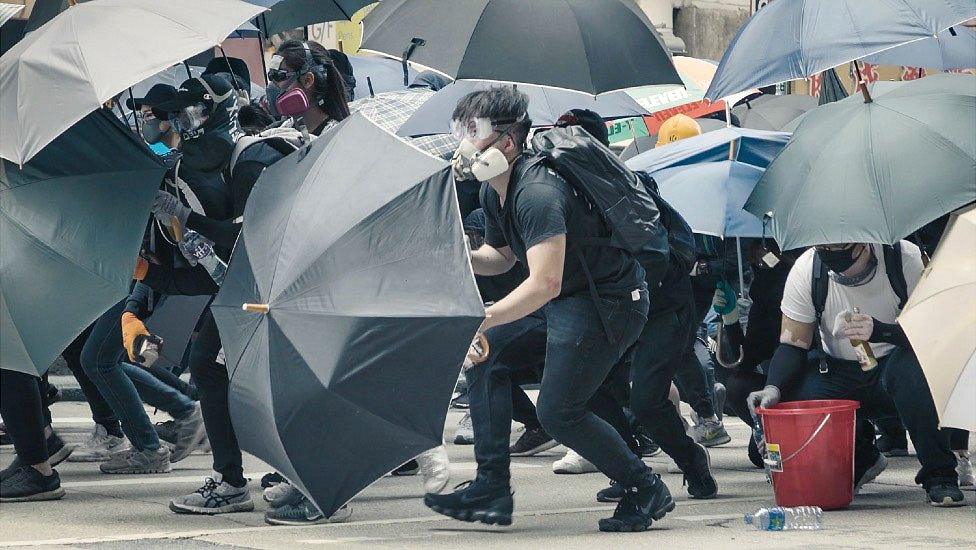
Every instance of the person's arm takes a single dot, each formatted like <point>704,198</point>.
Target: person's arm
<point>138,301</point>
<point>544,283</point>
<point>489,261</point>
<point>790,356</point>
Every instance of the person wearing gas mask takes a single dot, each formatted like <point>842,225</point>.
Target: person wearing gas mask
<point>534,217</point>
<point>743,354</point>
<point>844,299</point>
<point>304,84</point>
<point>307,87</point>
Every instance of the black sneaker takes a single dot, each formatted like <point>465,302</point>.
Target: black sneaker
<point>52,396</point>
<point>27,484</point>
<point>754,456</point>
<point>409,468</point>
<point>614,493</point>
<point>647,446</point>
<point>532,442</point>
<point>475,500</point>
<point>944,493</point>
<point>698,475</point>
<point>57,452</point>
<point>273,478</point>
<point>640,506</point>
<point>167,431</point>
<point>892,445</point>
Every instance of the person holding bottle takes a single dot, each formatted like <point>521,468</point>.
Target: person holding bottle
<point>823,289</point>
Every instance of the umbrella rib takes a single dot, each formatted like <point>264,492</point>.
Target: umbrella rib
<point>100,174</point>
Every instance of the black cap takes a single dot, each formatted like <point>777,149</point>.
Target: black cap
<point>193,91</point>
<point>230,65</point>
<point>160,93</point>
<point>589,121</point>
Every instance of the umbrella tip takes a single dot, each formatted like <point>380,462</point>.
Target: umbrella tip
<point>256,308</point>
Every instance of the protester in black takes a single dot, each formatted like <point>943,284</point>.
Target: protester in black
<point>533,217</point>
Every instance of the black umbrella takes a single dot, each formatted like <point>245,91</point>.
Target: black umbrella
<point>364,304</point>
<point>591,46</point>
<point>290,14</point>
<point>831,89</point>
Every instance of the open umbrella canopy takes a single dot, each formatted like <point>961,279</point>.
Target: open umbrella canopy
<point>390,110</point>
<point>48,82</point>
<point>355,252</point>
<point>939,319</point>
<point>708,178</point>
<point>376,74</point>
<point>800,38</point>
<point>953,48</point>
<point>291,14</point>
<point>592,46</point>
<point>874,172</point>
<point>59,268</point>
<point>773,112</point>
<point>546,105</point>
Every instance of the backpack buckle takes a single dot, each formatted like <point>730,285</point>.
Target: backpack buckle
<point>823,367</point>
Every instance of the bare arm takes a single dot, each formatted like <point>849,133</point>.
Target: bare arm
<point>490,261</point>
<point>796,334</point>
<point>543,284</point>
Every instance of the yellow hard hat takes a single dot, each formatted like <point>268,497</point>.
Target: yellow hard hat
<point>676,128</point>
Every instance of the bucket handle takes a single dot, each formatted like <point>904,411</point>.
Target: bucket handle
<point>810,439</point>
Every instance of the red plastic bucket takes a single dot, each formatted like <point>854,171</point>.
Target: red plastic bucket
<point>814,465</point>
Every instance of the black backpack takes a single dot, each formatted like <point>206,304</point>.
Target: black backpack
<point>625,205</point>
<point>893,268</point>
<point>681,239</point>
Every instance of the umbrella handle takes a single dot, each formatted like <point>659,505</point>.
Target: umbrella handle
<point>256,308</point>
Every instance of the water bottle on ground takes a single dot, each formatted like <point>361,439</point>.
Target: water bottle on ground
<point>199,250</point>
<point>805,518</point>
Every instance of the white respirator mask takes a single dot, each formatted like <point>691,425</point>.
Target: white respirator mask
<point>471,163</point>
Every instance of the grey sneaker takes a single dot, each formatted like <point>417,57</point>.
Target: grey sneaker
<point>710,433</point>
<point>215,497</point>
<point>304,513</point>
<point>282,494</point>
<point>99,447</point>
<point>132,461</point>
<point>190,432</point>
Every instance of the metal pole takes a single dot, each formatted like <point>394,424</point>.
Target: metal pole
<point>742,277</point>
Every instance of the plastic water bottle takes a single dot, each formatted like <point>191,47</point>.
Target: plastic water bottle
<point>805,518</point>
<point>199,250</point>
<point>759,438</point>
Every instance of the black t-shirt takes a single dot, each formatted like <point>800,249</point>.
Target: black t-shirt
<point>540,205</point>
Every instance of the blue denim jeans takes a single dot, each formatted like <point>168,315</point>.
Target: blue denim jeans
<point>124,386</point>
<point>579,356</point>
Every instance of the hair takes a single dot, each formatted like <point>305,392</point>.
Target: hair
<point>331,90</point>
<point>503,105</point>
<point>253,119</point>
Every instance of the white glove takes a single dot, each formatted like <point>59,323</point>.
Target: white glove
<point>166,206</point>
<point>765,398</point>
<point>859,327</point>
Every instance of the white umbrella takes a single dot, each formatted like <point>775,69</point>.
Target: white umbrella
<point>940,321</point>
<point>8,11</point>
<point>86,55</point>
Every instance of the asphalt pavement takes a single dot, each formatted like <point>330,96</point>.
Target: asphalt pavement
<point>552,511</point>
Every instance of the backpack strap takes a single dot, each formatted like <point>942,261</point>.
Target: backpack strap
<point>595,297</point>
<point>818,287</point>
<point>896,272</point>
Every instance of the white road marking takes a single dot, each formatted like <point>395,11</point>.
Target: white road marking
<point>172,535</point>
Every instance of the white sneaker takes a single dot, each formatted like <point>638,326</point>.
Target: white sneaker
<point>573,463</point>
<point>99,447</point>
<point>964,468</point>
<point>435,467</point>
<point>465,431</point>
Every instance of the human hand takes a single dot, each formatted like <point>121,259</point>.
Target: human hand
<point>132,327</point>
<point>765,398</point>
<point>167,206</point>
<point>859,327</point>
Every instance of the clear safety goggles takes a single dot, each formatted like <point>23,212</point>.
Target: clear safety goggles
<point>479,128</point>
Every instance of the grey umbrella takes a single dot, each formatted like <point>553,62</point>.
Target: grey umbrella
<point>591,46</point>
<point>291,14</point>
<point>773,112</point>
<point>71,223</point>
<point>797,39</point>
<point>546,105</point>
<point>874,172</point>
<point>353,253</point>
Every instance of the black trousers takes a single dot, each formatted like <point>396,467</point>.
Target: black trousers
<point>213,385</point>
<point>895,388</point>
<point>24,413</point>
<point>690,376</point>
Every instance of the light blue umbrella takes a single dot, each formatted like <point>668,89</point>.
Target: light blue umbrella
<point>800,38</point>
<point>953,48</point>
<point>755,147</point>
<point>710,195</point>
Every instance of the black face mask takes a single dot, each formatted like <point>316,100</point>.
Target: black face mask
<point>838,261</point>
